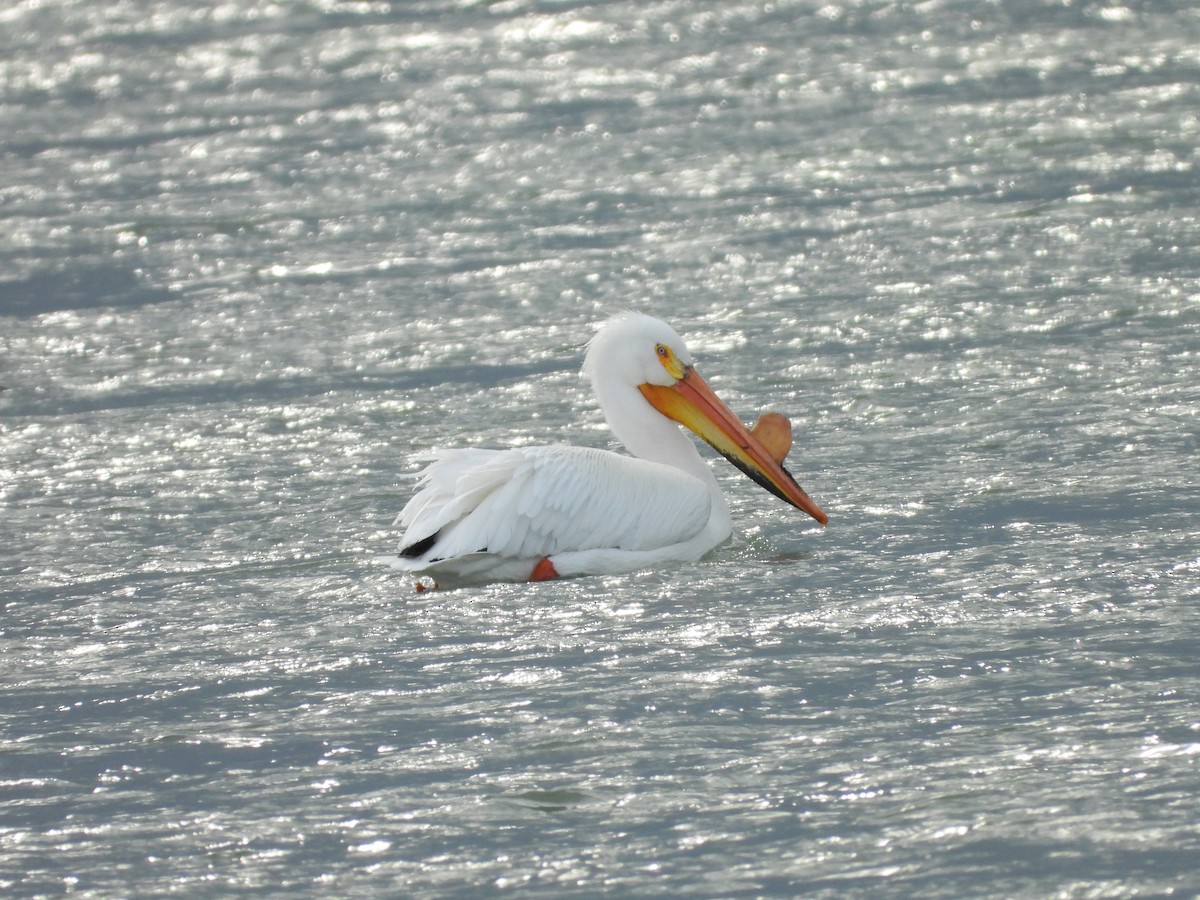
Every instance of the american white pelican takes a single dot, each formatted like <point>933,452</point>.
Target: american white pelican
<point>533,513</point>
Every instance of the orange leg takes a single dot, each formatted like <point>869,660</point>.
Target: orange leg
<point>544,570</point>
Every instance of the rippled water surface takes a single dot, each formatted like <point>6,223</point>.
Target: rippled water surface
<point>257,259</point>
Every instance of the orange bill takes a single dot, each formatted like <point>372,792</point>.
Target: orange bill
<point>692,403</point>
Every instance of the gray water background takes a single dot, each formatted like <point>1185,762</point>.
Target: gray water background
<point>258,258</point>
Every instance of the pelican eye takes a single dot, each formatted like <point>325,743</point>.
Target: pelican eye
<point>670,361</point>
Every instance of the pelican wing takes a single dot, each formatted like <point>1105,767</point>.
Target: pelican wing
<point>532,502</point>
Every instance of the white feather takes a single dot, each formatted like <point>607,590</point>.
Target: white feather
<point>533,502</point>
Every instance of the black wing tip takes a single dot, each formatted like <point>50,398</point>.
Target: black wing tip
<point>421,547</point>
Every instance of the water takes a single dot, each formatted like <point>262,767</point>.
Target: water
<point>257,259</point>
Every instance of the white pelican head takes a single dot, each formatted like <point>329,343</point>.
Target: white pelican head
<point>635,354</point>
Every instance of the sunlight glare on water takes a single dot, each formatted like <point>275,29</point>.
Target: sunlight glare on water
<point>260,261</point>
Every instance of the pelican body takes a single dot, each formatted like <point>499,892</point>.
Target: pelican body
<point>533,513</point>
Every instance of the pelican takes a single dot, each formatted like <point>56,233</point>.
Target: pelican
<point>536,513</point>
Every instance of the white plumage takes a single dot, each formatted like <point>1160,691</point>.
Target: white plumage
<point>498,514</point>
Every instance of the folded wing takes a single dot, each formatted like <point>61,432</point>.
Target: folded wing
<point>533,502</point>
